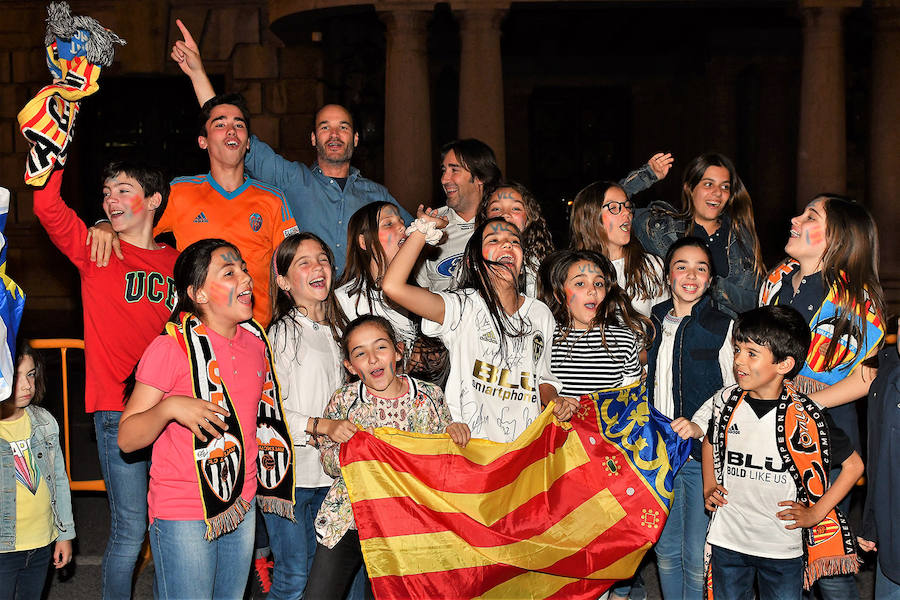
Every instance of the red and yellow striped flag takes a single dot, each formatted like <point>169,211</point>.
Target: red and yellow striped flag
<point>564,511</point>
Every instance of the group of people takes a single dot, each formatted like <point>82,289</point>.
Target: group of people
<point>306,302</point>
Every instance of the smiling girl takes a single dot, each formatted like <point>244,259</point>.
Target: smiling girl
<point>602,221</point>
<point>205,394</point>
<point>381,398</point>
<point>306,327</point>
<point>512,201</point>
<point>493,333</point>
<point>689,361</point>
<point>715,206</point>
<point>831,278</point>
<point>375,233</point>
<point>598,334</point>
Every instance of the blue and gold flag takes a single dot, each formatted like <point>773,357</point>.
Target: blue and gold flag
<point>12,302</point>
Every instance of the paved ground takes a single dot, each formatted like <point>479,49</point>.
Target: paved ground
<point>92,523</point>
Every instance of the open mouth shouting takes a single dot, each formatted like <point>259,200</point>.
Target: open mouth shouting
<point>245,297</point>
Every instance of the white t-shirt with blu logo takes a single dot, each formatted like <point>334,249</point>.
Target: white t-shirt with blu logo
<point>496,394</point>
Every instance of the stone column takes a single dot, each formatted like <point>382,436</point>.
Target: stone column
<point>407,108</point>
<point>884,145</point>
<point>481,79</point>
<point>822,144</point>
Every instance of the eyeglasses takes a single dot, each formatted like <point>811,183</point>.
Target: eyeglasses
<point>615,208</point>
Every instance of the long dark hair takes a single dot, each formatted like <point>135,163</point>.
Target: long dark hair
<point>283,303</point>
<point>586,232</point>
<point>537,243</point>
<point>739,206</point>
<point>40,386</point>
<point>365,222</point>
<point>475,273</point>
<point>615,307</point>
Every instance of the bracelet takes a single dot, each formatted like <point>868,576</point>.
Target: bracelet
<point>315,431</point>
<point>432,234</point>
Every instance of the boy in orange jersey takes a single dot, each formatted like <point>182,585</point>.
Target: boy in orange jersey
<point>226,203</point>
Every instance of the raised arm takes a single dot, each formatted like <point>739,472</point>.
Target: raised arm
<point>420,301</point>
<point>644,177</point>
<point>186,53</point>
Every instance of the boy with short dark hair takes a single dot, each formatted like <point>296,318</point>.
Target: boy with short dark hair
<point>125,306</point>
<point>766,458</point>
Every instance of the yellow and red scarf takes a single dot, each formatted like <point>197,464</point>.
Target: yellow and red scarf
<point>77,48</point>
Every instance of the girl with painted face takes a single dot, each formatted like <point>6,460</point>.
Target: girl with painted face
<point>598,335</point>
<point>207,399</point>
<point>831,278</point>
<point>381,398</point>
<point>375,233</point>
<point>491,330</point>
<point>716,207</point>
<point>690,359</point>
<point>33,486</point>
<point>305,334</point>
<point>601,220</point>
<point>512,201</point>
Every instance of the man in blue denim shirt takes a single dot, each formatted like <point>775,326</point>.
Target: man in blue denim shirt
<point>322,197</point>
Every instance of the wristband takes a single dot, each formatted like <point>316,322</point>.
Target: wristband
<point>315,430</point>
<point>432,234</point>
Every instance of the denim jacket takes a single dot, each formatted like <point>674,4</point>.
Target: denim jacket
<point>656,229</point>
<point>47,452</point>
<point>317,202</point>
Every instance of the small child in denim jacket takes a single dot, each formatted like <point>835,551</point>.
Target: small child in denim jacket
<point>36,512</point>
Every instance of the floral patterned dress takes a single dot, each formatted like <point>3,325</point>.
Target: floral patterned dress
<point>420,410</point>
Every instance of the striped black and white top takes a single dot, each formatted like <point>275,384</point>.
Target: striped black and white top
<point>585,365</point>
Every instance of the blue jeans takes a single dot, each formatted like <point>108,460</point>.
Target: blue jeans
<point>733,574</point>
<point>24,573</point>
<point>125,476</point>
<point>294,543</point>
<point>885,587</point>
<point>188,566</point>
<point>679,552</point>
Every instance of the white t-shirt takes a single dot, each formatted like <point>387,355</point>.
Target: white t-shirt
<point>756,480</point>
<point>442,263</point>
<point>309,369</point>
<point>497,396</point>
<point>584,364</point>
<point>358,305</point>
<point>643,305</point>
<point>662,390</point>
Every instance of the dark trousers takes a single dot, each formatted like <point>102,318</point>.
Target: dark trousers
<point>733,574</point>
<point>333,570</point>
<point>24,573</point>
